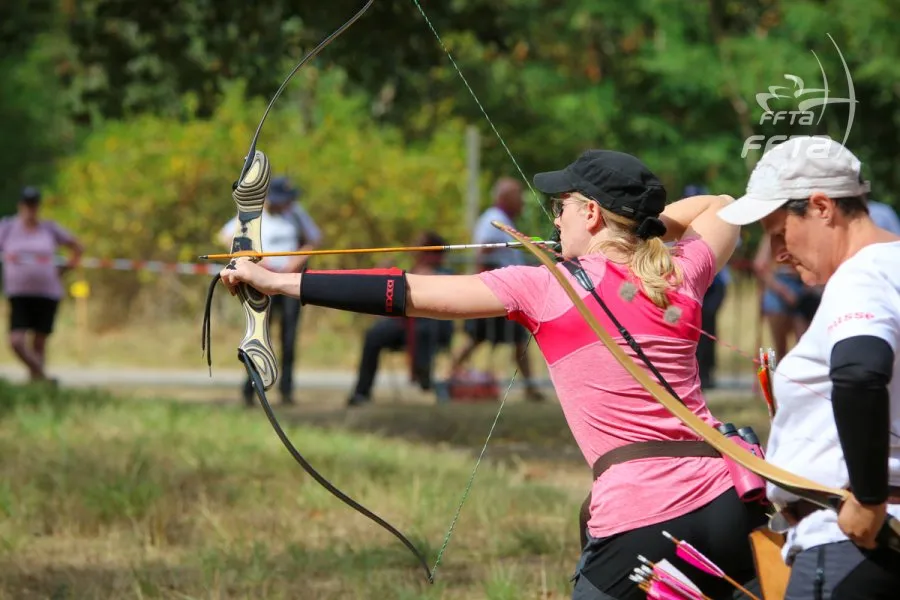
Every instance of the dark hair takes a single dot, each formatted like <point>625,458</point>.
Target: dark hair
<point>851,206</point>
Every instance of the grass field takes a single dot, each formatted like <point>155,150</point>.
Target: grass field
<point>148,497</point>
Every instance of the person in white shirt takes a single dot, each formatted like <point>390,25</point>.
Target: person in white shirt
<point>838,389</point>
<point>508,204</point>
<point>286,227</point>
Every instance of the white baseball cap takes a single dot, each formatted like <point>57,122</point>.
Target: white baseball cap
<point>796,169</point>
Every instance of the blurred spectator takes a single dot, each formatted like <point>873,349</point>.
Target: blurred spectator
<point>31,278</point>
<point>787,303</point>
<point>712,304</point>
<point>286,227</point>
<point>882,214</point>
<point>508,204</point>
<point>421,338</point>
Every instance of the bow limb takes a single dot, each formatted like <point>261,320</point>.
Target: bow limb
<point>824,496</point>
<point>255,349</point>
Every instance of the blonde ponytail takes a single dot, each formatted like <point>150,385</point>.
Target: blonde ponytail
<point>650,260</point>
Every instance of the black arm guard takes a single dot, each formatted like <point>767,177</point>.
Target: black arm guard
<point>861,368</point>
<point>370,291</point>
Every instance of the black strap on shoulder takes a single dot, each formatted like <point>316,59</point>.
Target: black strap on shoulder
<point>574,267</point>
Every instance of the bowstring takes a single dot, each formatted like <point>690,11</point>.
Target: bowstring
<point>512,380</point>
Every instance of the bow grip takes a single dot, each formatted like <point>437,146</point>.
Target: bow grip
<point>249,195</point>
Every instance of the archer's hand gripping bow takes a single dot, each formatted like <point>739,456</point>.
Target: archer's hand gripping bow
<point>255,350</point>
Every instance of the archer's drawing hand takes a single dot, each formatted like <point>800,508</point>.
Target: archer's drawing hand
<point>244,270</point>
<point>861,522</point>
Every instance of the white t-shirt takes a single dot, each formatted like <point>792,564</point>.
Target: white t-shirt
<point>861,298</point>
<point>282,232</point>
<point>485,233</point>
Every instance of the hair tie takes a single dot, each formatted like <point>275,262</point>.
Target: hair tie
<point>650,227</point>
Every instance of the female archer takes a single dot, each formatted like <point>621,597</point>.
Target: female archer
<point>613,221</point>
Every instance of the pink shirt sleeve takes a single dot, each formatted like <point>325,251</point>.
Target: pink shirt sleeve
<point>522,290</point>
<point>698,265</point>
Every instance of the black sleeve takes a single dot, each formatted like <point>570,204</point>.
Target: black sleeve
<point>861,369</point>
<point>370,291</point>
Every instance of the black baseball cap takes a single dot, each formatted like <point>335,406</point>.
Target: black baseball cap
<point>617,181</point>
<point>282,191</point>
<point>31,195</point>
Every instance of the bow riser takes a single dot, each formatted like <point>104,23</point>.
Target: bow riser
<point>250,195</point>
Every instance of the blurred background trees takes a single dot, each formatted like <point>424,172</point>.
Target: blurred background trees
<point>134,117</point>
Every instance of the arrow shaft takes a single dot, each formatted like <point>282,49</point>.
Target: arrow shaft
<point>229,256</point>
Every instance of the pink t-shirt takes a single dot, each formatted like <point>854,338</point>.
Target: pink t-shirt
<point>604,406</point>
<point>29,267</point>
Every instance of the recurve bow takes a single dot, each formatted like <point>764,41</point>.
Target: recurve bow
<point>255,350</point>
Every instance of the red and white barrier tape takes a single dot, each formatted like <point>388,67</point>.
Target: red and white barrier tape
<point>116,264</point>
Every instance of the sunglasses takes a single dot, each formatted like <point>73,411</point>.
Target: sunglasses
<point>558,203</point>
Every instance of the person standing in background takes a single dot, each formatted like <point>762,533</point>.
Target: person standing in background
<point>508,204</point>
<point>882,214</point>
<point>286,227</point>
<point>31,278</point>
<point>787,303</point>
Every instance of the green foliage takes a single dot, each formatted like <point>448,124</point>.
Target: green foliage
<point>373,126</point>
<point>34,127</point>
<point>158,187</point>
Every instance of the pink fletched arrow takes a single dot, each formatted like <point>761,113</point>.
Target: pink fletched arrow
<point>666,574</point>
<point>694,557</point>
<point>659,590</point>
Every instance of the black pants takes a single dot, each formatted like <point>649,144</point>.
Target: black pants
<point>496,330</point>
<point>843,571</point>
<point>719,530</point>
<point>32,313</point>
<point>430,335</point>
<point>288,309</point>
<point>706,348</point>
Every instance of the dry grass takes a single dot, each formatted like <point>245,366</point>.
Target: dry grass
<point>106,498</point>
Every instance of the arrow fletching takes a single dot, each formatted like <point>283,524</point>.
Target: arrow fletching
<point>659,590</point>
<point>694,557</point>
<point>764,374</point>
<point>666,573</point>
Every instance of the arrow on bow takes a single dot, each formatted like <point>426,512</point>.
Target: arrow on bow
<point>820,495</point>
<point>255,350</point>
<point>444,248</point>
